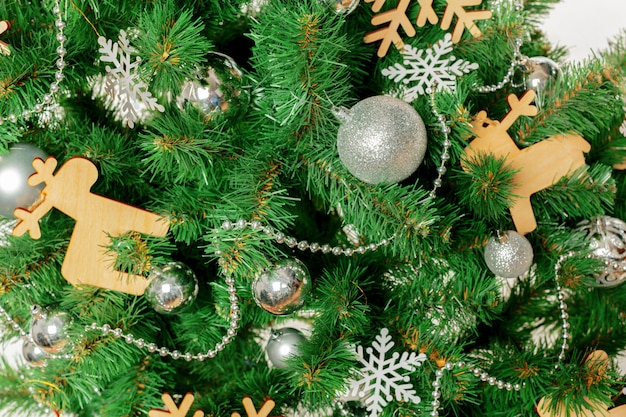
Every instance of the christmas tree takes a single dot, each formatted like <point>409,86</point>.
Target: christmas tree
<point>311,208</point>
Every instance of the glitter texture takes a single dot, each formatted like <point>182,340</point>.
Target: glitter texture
<point>383,139</point>
<point>510,256</point>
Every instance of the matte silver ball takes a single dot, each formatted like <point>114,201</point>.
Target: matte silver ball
<point>541,72</point>
<point>172,288</point>
<point>382,140</point>
<point>33,354</point>
<point>282,345</point>
<point>15,168</point>
<point>606,238</point>
<point>49,331</point>
<point>283,288</point>
<point>509,256</point>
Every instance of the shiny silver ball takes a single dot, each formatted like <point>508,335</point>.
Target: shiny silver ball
<point>382,140</point>
<point>606,238</point>
<point>541,71</point>
<point>15,168</point>
<point>283,288</point>
<point>510,255</point>
<point>342,6</point>
<point>33,354</point>
<point>172,288</point>
<point>48,330</point>
<point>282,345</point>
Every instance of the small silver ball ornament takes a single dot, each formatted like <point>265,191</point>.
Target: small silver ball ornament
<point>282,345</point>
<point>284,288</point>
<point>33,354</point>
<point>15,168</point>
<point>541,71</point>
<point>606,239</point>
<point>382,140</point>
<point>48,330</point>
<point>342,6</point>
<point>172,288</point>
<point>510,255</point>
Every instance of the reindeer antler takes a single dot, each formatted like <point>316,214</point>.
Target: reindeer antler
<point>519,107</point>
<point>44,171</point>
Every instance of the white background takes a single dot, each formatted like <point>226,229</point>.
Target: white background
<point>583,26</point>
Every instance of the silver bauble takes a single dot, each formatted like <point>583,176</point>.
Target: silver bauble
<point>510,255</point>
<point>541,71</point>
<point>382,140</point>
<point>283,288</point>
<point>282,345</point>
<point>172,288</point>
<point>48,330</point>
<point>33,354</point>
<point>342,6</point>
<point>606,238</point>
<point>15,168</point>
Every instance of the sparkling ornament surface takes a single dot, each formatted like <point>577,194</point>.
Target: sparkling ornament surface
<point>172,288</point>
<point>510,256</point>
<point>284,288</point>
<point>15,168</point>
<point>382,139</point>
<point>606,238</point>
<point>343,6</point>
<point>540,72</point>
<point>282,345</point>
<point>33,354</point>
<point>49,331</point>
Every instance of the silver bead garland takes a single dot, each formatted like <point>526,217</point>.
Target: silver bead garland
<point>445,153</point>
<point>48,98</point>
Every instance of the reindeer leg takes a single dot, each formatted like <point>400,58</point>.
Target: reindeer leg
<point>523,215</point>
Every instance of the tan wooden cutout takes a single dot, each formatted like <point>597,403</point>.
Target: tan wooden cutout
<point>597,363</point>
<point>87,262</point>
<point>173,411</point>
<point>4,48</point>
<point>248,405</point>
<point>540,165</point>
<point>388,35</point>
<point>465,18</point>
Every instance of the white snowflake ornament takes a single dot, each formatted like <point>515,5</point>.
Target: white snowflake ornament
<point>423,69</point>
<point>129,94</point>
<point>380,379</point>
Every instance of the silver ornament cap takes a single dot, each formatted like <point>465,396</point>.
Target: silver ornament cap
<point>48,330</point>
<point>606,239</point>
<point>510,255</point>
<point>33,354</point>
<point>15,168</point>
<point>172,288</point>
<point>282,345</point>
<point>284,288</point>
<point>382,140</point>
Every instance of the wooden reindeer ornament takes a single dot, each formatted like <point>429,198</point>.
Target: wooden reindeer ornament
<point>596,362</point>
<point>539,165</point>
<point>87,261</point>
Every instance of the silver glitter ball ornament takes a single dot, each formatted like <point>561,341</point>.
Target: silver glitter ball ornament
<point>382,140</point>
<point>283,288</point>
<point>510,255</point>
<point>48,330</point>
<point>33,354</point>
<point>282,345</point>
<point>606,238</point>
<point>15,168</point>
<point>540,72</point>
<point>172,288</point>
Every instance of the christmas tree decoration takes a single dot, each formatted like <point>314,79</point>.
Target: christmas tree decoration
<point>396,18</point>
<point>48,329</point>
<point>15,168</point>
<point>34,355</point>
<point>606,239</point>
<point>248,405</point>
<point>87,262</point>
<point>343,6</point>
<point>510,255</point>
<point>382,140</point>
<point>283,288</point>
<point>454,8</point>
<point>128,93</point>
<point>172,410</point>
<point>381,378</point>
<point>538,166</point>
<point>540,72</point>
<point>4,48</point>
<point>283,344</point>
<point>172,288</point>
<point>423,69</point>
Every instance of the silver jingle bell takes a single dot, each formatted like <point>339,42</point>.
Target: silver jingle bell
<point>510,255</point>
<point>48,330</point>
<point>540,72</point>
<point>15,168</point>
<point>33,354</point>
<point>606,238</point>
<point>282,345</point>
<point>172,288</point>
<point>284,288</point>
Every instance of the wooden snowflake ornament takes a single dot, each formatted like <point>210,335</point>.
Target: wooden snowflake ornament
<point>172,410</point>
<point>248,405</point>
<point>4,48</point>
<point>87,261</point>
<point>539,165</point>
